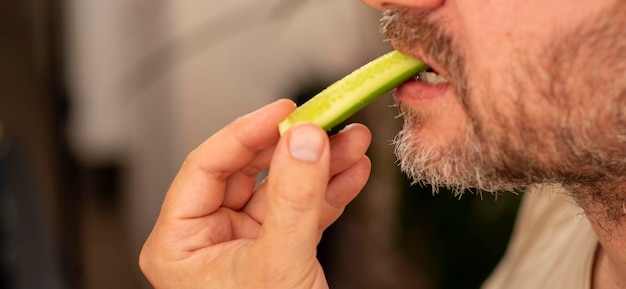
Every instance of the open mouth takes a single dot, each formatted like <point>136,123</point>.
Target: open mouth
<point>424,86</point>
<point>431,77</point>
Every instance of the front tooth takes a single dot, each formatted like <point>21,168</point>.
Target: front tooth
<point>430,77</point>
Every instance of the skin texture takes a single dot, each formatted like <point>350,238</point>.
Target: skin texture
<point>527,116</point>
<point>536,95</point>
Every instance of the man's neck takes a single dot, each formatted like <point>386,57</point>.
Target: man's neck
<point>606,272</point>
<point>605,207</point>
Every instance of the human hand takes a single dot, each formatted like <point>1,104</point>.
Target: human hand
<point>216,230</point>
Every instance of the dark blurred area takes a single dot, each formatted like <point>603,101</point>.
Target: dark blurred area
<point>45,193</point>
<point>63,224</point>
<point>38,233</point>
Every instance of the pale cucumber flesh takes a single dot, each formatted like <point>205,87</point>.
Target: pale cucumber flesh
<point>356,90</point>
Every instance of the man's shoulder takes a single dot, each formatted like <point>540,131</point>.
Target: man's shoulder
<point>552,245</point>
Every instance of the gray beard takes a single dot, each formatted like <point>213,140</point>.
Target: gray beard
<point>577,139</point>
<point>456,167</point>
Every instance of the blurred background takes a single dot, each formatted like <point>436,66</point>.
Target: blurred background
<point>100,101</point>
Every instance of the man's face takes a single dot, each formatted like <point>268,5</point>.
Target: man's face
<point>535,91</point>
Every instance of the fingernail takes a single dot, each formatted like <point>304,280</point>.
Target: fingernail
<point>347,127</point>
<point>306,143</point>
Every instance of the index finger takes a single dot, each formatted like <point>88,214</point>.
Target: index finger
<point>198,188</point>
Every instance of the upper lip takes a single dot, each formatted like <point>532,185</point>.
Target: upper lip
<point>419,54</point>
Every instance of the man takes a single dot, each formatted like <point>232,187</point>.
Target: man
<point>526,93</point>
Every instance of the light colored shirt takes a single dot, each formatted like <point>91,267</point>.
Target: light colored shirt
<point>552,246</point>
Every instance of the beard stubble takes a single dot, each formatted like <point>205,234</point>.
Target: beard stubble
<point>578,139</point>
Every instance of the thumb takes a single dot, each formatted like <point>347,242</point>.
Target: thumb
<point>296,190</point>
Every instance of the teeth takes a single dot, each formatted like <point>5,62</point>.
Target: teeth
<point>430,77</point>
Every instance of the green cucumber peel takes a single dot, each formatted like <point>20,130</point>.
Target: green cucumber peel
<point>345,97</point>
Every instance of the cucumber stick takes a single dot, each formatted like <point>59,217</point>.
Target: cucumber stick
<point>353,92</point>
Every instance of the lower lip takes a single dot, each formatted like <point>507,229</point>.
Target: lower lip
<point>414,90</point>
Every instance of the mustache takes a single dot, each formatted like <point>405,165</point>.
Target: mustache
<point>413,30</point>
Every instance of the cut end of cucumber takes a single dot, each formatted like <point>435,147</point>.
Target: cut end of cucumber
<point>353,92</point>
